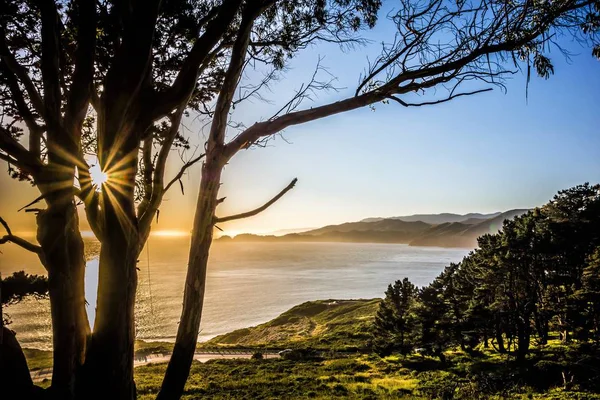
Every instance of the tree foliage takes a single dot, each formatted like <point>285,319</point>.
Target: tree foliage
<point>539,274</point>
<point>20,285</point>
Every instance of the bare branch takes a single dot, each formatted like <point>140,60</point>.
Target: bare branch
<point>428,103</point>
<point>267,128</point>
<point>34,248</point>
<point>182,170</point>
<point>259,209</point>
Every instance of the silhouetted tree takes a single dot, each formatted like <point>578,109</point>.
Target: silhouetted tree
<point>14,373</point>
<point>114,79</point>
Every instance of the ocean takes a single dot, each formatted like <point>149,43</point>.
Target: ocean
<point>248,283</point>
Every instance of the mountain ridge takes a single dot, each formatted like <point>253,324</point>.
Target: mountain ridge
<point>438,218</point>
<point>393,230</point>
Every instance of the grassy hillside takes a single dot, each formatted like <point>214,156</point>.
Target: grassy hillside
<point>323,324</point>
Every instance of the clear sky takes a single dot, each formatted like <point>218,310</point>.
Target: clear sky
<point>485,153</point>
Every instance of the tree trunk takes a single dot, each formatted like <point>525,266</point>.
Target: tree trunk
<point>195,283</point>
<point>63,255</point>
<point>109,366</point>
<point>541,325</point>
<point>15,379</point>
<point>523,339</point>
<point>500,341</point>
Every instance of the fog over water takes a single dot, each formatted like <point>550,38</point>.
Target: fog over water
<point>248,283</point>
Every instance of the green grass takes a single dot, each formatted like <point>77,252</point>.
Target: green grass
<point>354,378</point>
<point>357,377</point>
<point>38,359</point>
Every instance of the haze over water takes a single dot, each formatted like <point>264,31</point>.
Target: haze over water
<point>248,283</point>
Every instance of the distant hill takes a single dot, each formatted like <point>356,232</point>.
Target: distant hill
<point>394,230</point>
<point>462,234</point>
<point>443,218</point>
<point>382,225</point>
<point>322,324</point>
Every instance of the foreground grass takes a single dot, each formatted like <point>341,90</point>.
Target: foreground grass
<point>360,377</point>
<point>353,378</point>
<point>485,375</point>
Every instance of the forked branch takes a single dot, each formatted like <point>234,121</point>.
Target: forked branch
<point>259,209</point>
<point>9,237</point>
<point>183,169</point>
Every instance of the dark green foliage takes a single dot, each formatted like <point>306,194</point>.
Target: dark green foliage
<point>395,319</point>
<point>539,275</point>
<point>20,285</point>
<point>16,287</point>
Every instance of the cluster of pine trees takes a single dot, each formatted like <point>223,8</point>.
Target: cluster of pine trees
<point>536,279</point>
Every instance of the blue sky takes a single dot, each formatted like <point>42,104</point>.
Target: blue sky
<point>489,152</point>
<point>484,153</point>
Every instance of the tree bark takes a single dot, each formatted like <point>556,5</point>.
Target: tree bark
<point>63,255</point>
<point>109,365</point>
<point>195,283</point>
<point>108,370</point>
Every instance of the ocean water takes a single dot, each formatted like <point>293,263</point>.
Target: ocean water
<point>248,283</point>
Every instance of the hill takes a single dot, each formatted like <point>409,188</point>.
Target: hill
<point>461,234</point>
<point>322,324</point>
<point>393,230</point>
<point>442,218</point>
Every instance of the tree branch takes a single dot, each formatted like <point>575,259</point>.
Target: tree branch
<point>259,209</point>
<point>186,79</point>
<point>81,88</point>
<point>35,130</point>
<point>22,157</point>
<point>21,73</point>
<point>51,66</point>
<point>183,169</point>
<point>18,240</point>
<point>428,103</point>
<point>266,128</point>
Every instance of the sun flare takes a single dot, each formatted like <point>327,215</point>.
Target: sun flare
<point>98,176</point>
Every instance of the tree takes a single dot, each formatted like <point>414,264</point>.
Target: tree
<point>435,329</point>
<point>115,79</point>
<point>393,328</point>
<point>590,295</point>
<point>539,273</point>
<point>13,365</point>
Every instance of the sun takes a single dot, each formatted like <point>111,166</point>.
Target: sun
<point>98,176</point>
